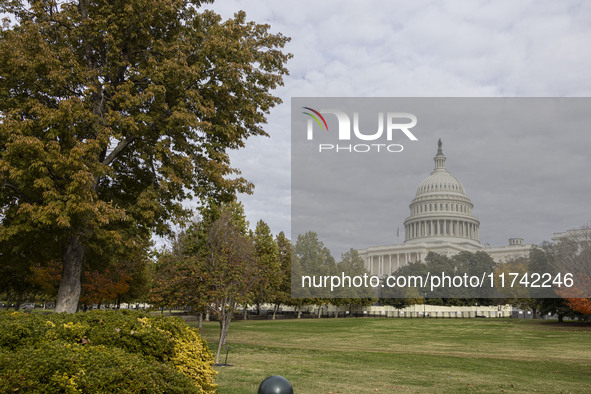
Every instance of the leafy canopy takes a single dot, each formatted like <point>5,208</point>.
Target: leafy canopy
<point>118,110</point>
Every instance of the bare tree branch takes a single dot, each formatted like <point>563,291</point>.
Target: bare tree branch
<point>17,191</point>
<point>109,159</point>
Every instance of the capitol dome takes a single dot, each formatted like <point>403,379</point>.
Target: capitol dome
<point>440,181</point>
<point>441,210</point>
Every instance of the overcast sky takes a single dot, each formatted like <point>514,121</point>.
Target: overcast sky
<point>437,49</point>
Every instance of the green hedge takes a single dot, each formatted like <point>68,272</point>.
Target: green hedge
<point>102,351</point>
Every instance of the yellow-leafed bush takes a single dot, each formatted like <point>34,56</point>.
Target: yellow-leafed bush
<point>187,360</point>
<point>102,351</point>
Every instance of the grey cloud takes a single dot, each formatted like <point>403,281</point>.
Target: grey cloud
<point>434,48</point>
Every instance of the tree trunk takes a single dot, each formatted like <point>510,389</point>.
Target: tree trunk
<point>200,324</point>
<point>69,290</point>
<point>275,310</point>
<point>225,320</point>
<point>245,316</point>
<point>19,300</point>
<point>8,300</point>
<point>299,312</point>
<point>319,311</point>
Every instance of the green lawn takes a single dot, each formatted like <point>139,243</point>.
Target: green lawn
<point>414,355</point>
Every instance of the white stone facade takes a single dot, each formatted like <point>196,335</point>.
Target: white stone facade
<point>440,221</point>
<point>579,235</point>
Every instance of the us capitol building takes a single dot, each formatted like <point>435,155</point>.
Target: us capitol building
<point>440,221</point>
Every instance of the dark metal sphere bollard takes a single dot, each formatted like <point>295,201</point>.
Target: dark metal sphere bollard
<point>275,385</point>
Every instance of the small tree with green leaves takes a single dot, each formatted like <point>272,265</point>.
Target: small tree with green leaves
<point>222,263</point>
<point>283,293</point>
<point>268,264</point>
<point>313,259</point>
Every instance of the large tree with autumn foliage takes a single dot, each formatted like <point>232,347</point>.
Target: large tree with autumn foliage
<point>113,112</point>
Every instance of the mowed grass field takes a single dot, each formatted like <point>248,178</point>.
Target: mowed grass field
<point>413,355</point>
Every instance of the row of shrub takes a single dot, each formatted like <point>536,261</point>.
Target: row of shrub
<point>102,351</point>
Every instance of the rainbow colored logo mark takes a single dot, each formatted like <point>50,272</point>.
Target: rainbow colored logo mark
<point>315,118</point>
